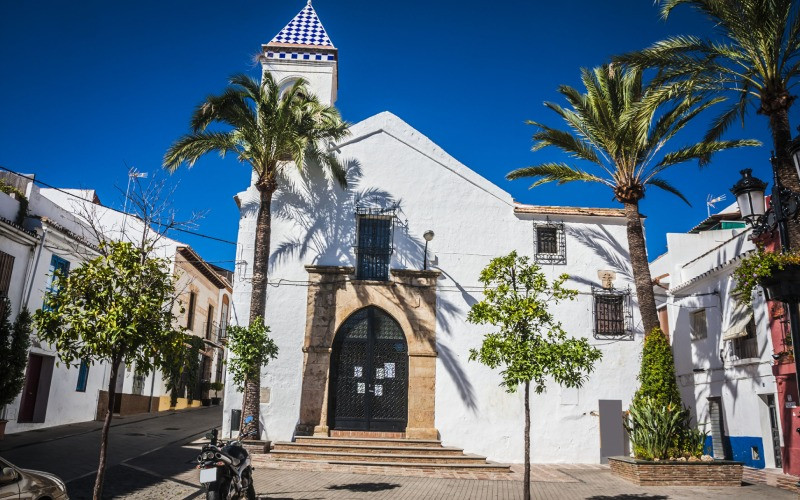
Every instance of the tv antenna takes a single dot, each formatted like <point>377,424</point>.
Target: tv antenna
<point>711,201</point>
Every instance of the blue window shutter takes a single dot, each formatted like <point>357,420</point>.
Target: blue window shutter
<point>83,376</point>
<point>56,264</point>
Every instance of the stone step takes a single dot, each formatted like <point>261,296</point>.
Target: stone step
<point>335,457</point>
<point>363,441</point>
<point>454,467</point>
<point>392,449</point>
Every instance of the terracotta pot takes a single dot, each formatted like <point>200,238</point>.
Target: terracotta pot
<point>783,285</point>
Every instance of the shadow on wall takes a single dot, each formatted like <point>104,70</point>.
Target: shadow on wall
<point>605,246</point>
<point>325,215</point>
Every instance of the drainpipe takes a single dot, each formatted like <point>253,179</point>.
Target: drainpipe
<point>32,275</point>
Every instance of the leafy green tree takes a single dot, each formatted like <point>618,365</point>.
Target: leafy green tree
<point>269,130</point>
<point>14,343</point>
<point>753,57</point>
<point>530,346</point>
<point>116,308</point>
<point>250,348</point>
<point>657,372</point>
<point>620,128</point>
<point>182,372</point>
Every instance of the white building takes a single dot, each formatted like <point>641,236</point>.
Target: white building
<point>723,349</point>
<point>372,338</point>
<point>50,234</point>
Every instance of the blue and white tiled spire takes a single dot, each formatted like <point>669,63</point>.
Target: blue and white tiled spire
<point>304,29</point>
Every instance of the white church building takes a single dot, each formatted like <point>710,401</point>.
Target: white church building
<point>369,289</point>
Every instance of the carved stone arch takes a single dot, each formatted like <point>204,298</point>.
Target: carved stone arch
<point>410,299</point>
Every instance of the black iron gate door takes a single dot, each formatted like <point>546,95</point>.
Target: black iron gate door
<point>369,374</point>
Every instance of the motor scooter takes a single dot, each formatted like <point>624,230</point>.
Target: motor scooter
<point>225,469</point>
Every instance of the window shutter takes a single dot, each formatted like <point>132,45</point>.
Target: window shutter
<point>6,268</point>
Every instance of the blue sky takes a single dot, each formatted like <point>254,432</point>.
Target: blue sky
<point>88,87</point>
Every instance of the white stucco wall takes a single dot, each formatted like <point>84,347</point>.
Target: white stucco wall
<point>701,267</point>
<point>473,221</point>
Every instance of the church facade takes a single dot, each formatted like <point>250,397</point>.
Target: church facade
<point>370,288</point>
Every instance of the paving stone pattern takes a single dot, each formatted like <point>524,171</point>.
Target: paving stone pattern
<point>570,483</point>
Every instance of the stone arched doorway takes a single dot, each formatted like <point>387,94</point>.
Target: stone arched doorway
<point>369,374</point>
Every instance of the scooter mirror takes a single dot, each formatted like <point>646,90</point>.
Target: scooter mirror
<point>209,435</point>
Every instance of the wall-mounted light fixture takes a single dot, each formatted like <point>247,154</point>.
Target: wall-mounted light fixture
<point>428,235</point>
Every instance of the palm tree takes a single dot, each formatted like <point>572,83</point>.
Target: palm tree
<point>620,126</point>
<point>269,130</point>
<point>756,58</point>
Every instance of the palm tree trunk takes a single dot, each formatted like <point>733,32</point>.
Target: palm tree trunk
<point>526,489</point>
<point>641,267</point>
<point>112,395</point>
<point>258,297</point>
<point>781,137</point>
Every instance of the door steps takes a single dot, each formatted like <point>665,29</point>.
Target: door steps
<point>382,452</point>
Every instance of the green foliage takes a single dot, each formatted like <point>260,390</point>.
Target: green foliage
<point>182,370</point>
<point>657,373</point>
<point>662,432</point>
<point>268,129</point>
<point>756,267</point>
<point>530,345</point>
<point>620,128</point>
<point>20,196</point>
<point>250,349</point>
<point>217,386</point>
<point>117,307</point>
<point>14,342</point>
<point>752,56</point>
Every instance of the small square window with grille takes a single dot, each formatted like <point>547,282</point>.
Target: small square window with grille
<point>699,328</point>
<point>612,314</point>
<point>549,243</point>
<point>373,244</point>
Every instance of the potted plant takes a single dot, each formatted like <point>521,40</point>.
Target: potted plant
<point>205,386</point>
<point>216,387</point>
<point>777,273</point>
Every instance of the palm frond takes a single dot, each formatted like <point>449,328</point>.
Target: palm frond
<point>189,148</point>
<point>560,173</point>
<point>666,186</point>
<point>702,150</point>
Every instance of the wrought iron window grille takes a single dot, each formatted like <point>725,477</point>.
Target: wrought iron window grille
<point>374,242</point>
<point>549,243</point>
<point>613,316</point>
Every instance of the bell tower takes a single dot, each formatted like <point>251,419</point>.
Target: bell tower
<point>302,49</point>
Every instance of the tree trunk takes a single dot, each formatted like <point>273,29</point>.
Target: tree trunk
<point>526,489</point>
<point>258,298</point>
<point>112,393</point>
<point>641,267</point>
<point>787,173</point>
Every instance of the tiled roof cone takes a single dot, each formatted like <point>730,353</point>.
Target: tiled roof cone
<point>305,29</point>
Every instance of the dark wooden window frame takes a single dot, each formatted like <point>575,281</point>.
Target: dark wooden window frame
<point>553,248</point>
<point>612,314</point>
<point>374,243</point>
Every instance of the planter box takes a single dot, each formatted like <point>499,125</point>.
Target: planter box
<point>664,473</point>
<point>783,286</point>
<point>215,401</point>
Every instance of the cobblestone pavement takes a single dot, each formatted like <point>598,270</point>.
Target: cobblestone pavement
<point>570,482</point>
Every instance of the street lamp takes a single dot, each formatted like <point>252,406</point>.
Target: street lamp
<point>428,235</point>
<point>784,205</point>
<point>749,193</point>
